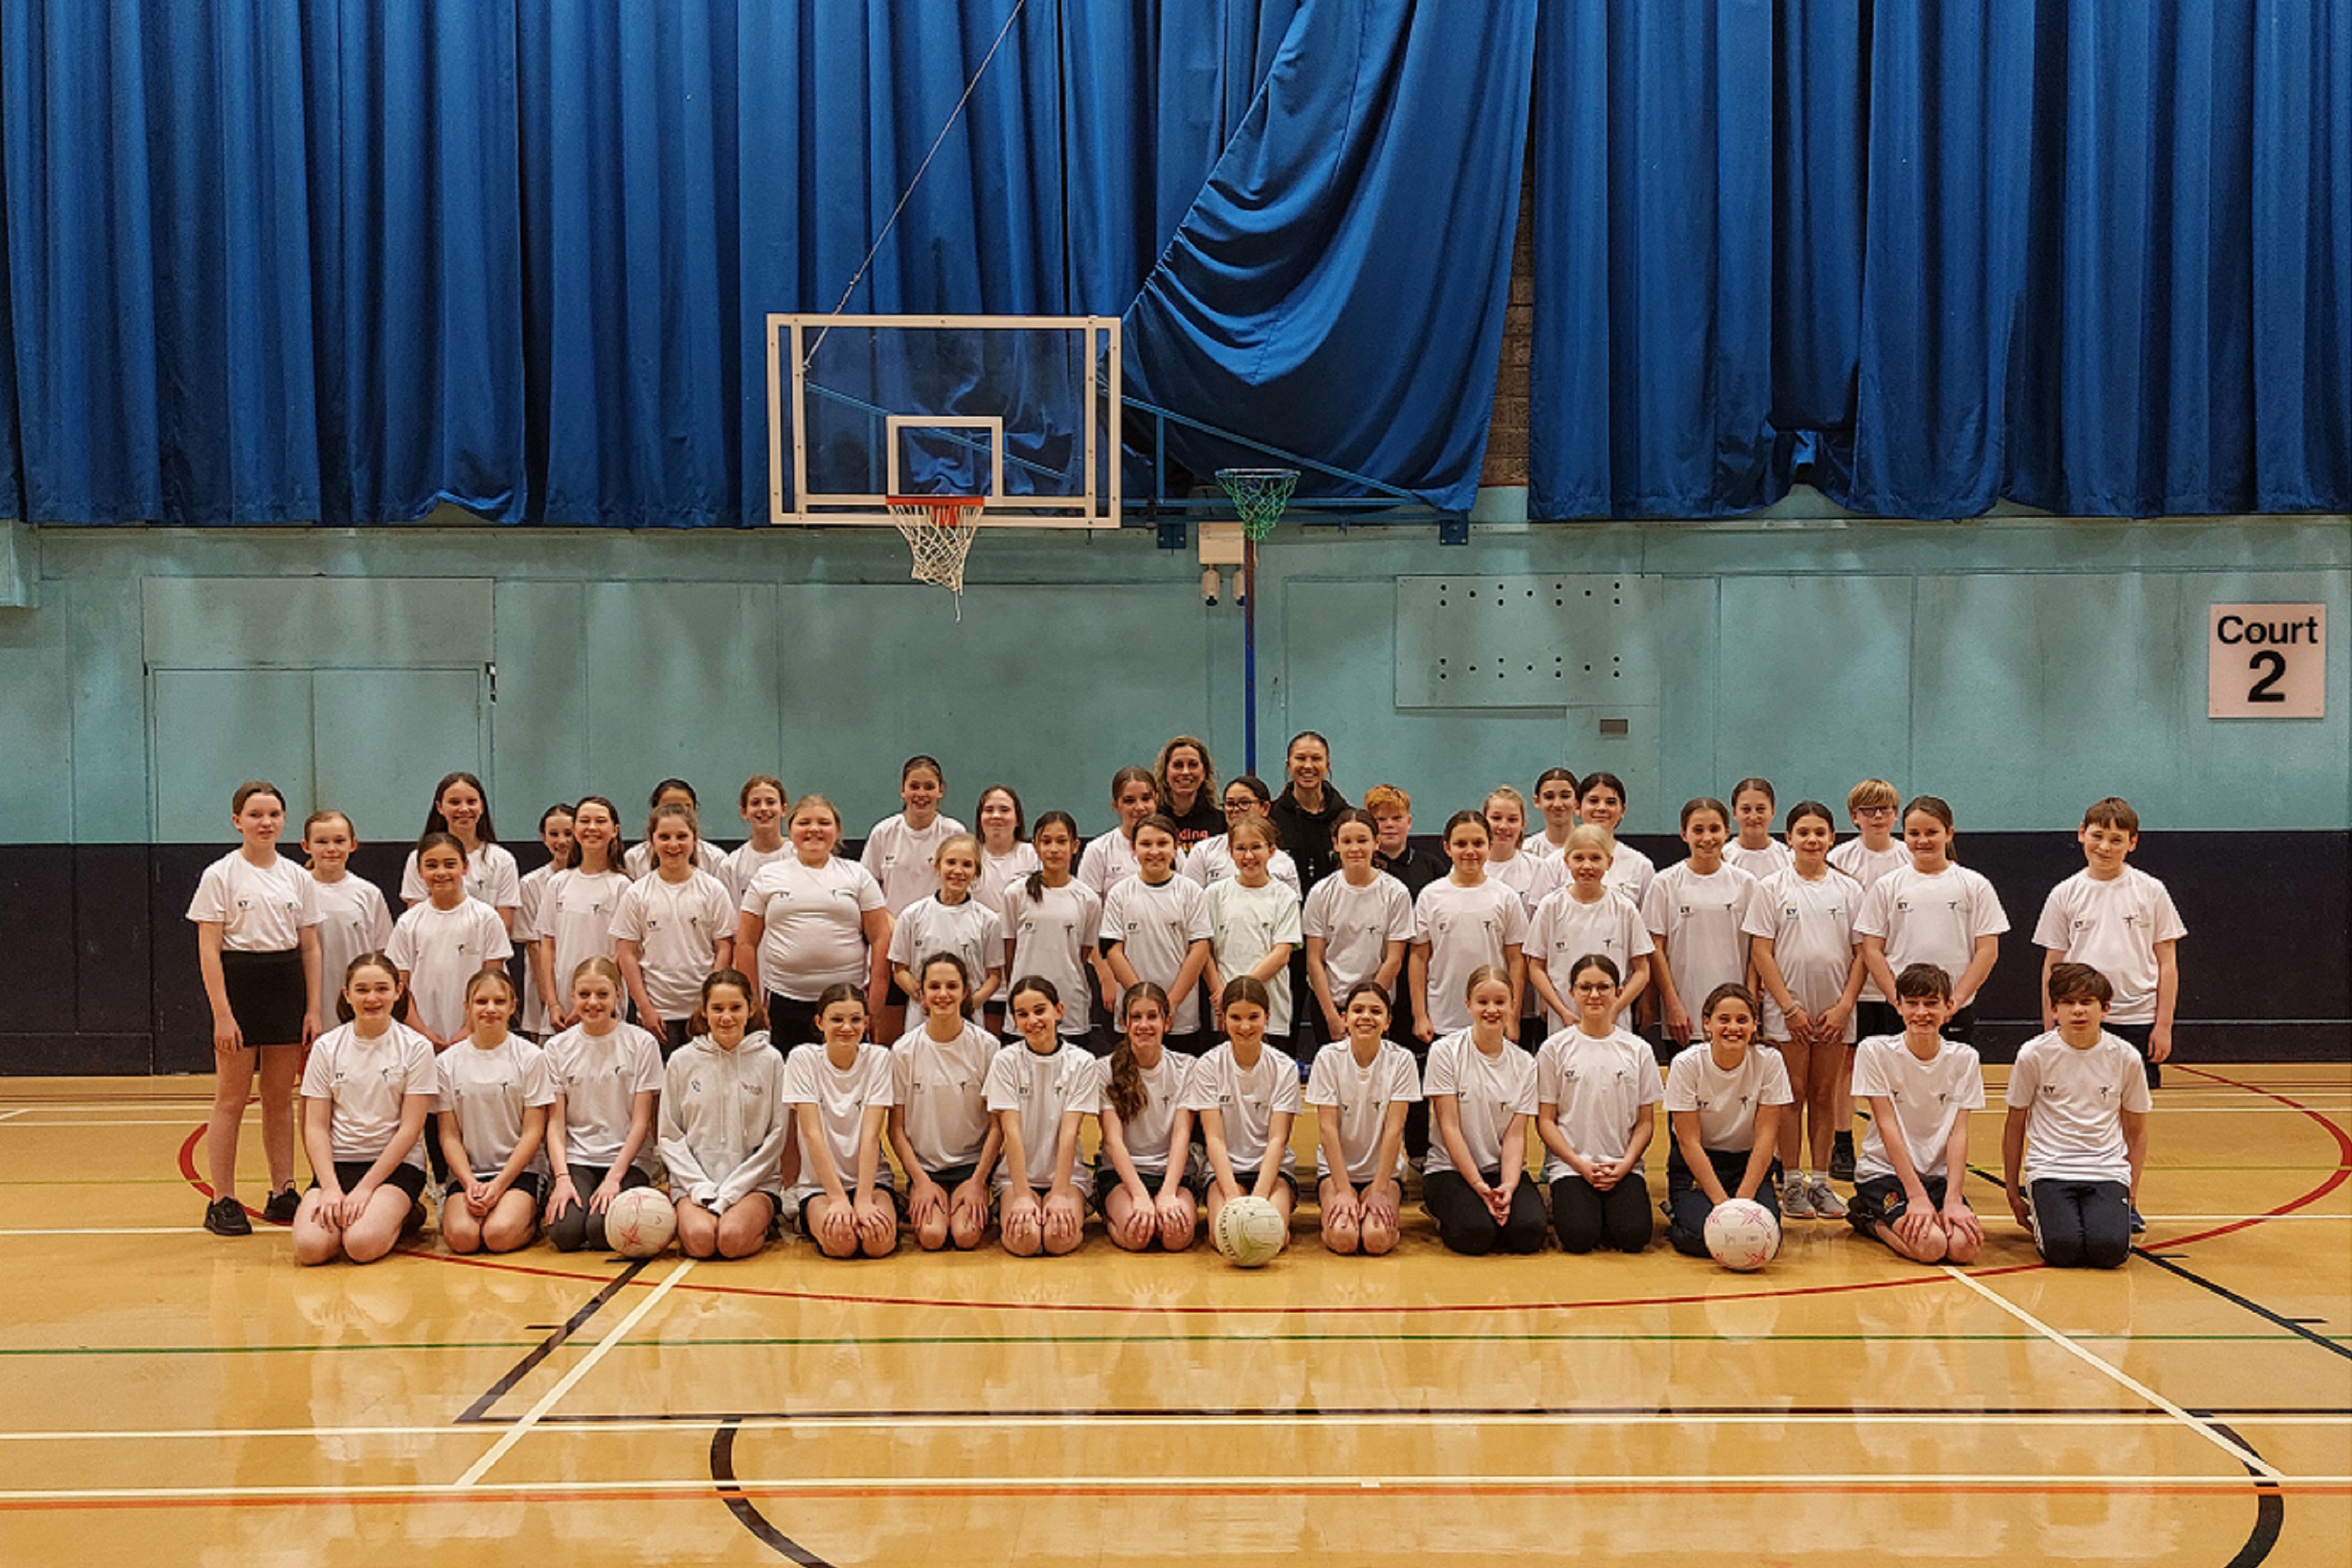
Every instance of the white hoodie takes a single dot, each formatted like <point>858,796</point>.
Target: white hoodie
<point>723,1122</point>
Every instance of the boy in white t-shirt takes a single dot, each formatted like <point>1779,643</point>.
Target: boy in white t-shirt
<point>2076,1136</point>
<point>2120,921</point>
<point>1915,1155</point>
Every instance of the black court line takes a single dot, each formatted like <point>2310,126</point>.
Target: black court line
<point>2296,1325</point>
<point>2269,1510</point>
<point>747,1513</point>
<point>475,1413</point>
<point>1111,1414</point>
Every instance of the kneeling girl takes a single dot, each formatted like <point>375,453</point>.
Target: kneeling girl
<point>724,1135</point>
<point>939,1127</point>
<point>1040,1090</point>
<point>841,1093</point>
<point>492,1115</point>
<point>1246,1097</point>
<point>606,1075</point>
<point>364,1095</point>
<point>1144,1185</point>
<point>1725,1098</point>
<point>1482,1091</point>
<point>1362,1087</point>
<point>1595,1085</point>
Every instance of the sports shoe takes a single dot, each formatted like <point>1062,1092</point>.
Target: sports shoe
<point>1842,1157</point>
<point>2139,1226</point>
<point>225,1216</point>
<point>1794,1203</point>
<point>1826,1204</point>
<point>282,1206</point>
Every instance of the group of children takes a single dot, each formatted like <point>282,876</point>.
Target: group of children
<point>1173,982</point>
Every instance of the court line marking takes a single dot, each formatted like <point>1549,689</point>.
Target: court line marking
<point>1121,1486</point>
<point>109,1230</point>
<point>11,1115</point>
<point>2238,1451</point>
<point>581,1368</point>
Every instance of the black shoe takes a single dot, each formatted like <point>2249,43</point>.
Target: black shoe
<point>2154,1076</point>
<point>282,1206</point>
<point>1842,1157</point>
<point>2139,1226</point>
<point>225,1216</point>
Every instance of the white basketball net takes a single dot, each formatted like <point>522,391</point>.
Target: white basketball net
<point>939,531</point>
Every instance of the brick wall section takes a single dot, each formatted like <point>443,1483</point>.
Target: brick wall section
<point>1506,435</point>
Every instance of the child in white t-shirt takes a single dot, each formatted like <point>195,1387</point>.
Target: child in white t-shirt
<point>1810,972</point>
<point>1697,910</point>
<point>365,1092</point>
<point>2076,1137</point>
<point>1596,1083</point>
<point>1933,911</point>
<point>1725,1099</point>
<point>1482,1092</point>
<point>1587,916</point>
<point>1362,1087</point>
<point>673,928</point>
<point>1246,1097</point>
<point>353,917</point>
<point>1866,856</point>
<point>1254,921</point>
<point>1755,850</point>
<point>953,920</point>
<point>2120,921</point>
<point>1041,1088</point>
<point>1463,923</point>
<point>1915,1154</point>
<point>1358,924</point>
<point>491,1109</point>
<point>1147,1184</point>
<point>841,1090</point>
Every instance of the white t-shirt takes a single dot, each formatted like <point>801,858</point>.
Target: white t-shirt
<point>1927,917</point>
<point>1211,861</point>
<point>531,890</point>
<point>354,919</point>
<point>490,876</point>
<point>900,856</point>
<point>1042,1089</point>
<point>2075,1101</point>
<point>1465,928</point>
<point>1148,1132</point>
<point>1564,931</point>
<point>708,857</point>
<point>814,935</point>
<point>1108,860</point>
<point>260,908</point>
<point>1488,1091</point>
<point>576,914</point>
<point>1929,1097</point>
<point>368,1080</point>
<point>1600,1090</point>
<point>1049,936</point>
<point>1726,1103</point>
<point>441,950</point>
<point>1699,920</point>
<point>1534,878</point>
<point>746,863</point>
<point>842,1096</point>
<point>1159,924</point>
<point>1866,866</point>
<point>942,1087</point>
<point>1357,924</point>
<point>1629,872</point>
<point>489,1090</point>
<point>970,929</point>
<point>1360,1097</point>
<point>1247,923</point>
<point>677,927</point>
<point>998,872</point>
<point>600,1078</point>
<point>1811,928</point>
<point>1245,1100</point>
<point>1759,863</point>
<point>2112,926</point>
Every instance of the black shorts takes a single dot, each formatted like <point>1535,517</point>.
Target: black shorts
<point>349,1173</point>
<point>1875,1018</point>
<point>791,1022</point>
<point>535,1182</point>
<point>1880,1200</point>
<point>268,995</point>
<point>951,1177</point>
<point>1247,1181</point>
<point>1107,1181</point>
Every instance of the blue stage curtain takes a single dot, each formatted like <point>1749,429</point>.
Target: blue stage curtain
<point>2096,259</point>
<point>1339,288</point>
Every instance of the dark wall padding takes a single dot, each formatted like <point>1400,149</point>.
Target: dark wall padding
<point>103,960</point>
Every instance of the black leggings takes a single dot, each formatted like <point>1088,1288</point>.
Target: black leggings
<point>1691,1206</point>
<point>1586,1217</point>
<point>2081,1225</point>
<point>1464,1223</point>
<point>580,1228</point>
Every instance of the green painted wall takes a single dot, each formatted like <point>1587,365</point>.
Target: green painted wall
<point>2018,667</point>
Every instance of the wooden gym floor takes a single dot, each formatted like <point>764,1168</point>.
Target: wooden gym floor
<point>173,1398</point>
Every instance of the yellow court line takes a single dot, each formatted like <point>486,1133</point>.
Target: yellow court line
<point>554,1396</point>
<point>2203,1428</point>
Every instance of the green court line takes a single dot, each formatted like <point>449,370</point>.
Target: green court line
<point>835,1341</point>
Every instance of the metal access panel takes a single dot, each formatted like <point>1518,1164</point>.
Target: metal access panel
<point>1548,641</point>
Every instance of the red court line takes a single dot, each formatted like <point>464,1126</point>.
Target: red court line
<point>188,1168</point>
<point>2335,1179</point>
<point>527,1494</point>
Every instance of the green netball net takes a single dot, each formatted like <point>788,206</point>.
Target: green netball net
<point>1259,495</point>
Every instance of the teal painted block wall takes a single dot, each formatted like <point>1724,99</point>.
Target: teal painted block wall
<point>2019,668</point>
